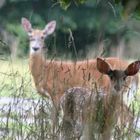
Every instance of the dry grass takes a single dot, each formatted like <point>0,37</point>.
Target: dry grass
<point>23,113</point>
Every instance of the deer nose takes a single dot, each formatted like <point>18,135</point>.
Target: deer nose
<point>35,48</point>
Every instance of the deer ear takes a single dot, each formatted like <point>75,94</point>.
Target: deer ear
<point>49,28</point>
<point>103,66</point>
<point>132,68</point>
<point>26,24</point>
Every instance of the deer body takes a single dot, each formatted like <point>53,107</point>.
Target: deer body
<point>54,77</point>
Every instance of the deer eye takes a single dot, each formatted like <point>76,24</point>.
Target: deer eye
<point>111,77</point>
<point>31,39</point>
<point>124,78</point>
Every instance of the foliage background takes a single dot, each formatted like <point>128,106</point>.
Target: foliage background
<point>112,24</point>
<point>85,29</point>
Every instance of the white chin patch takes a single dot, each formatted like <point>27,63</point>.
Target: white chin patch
<point>32,51</point>
<point>34,44</point>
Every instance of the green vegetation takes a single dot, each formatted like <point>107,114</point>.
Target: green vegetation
<point>17,83</point>
<point>94,27</point>
<point>12,74</point>
<point>92,22</point>
<point>16,80</point>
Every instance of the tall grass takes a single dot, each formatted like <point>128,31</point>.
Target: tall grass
<point>24,115</point>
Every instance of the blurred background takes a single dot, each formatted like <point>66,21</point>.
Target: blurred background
<point>85,29</point>
<point>89,26</point>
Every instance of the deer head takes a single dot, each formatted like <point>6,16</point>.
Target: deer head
<point>37,36</point>
<point>117,77</point>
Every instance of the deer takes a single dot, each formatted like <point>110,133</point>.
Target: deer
<point>53,77</point>
<point>113,103</point>
<point>81,106</point>
<point>75,107</point>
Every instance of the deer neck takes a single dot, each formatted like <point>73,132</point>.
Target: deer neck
<point>114,100</point>
<point>37,65</point>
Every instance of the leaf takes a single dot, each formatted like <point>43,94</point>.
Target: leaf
<point>65,4</point>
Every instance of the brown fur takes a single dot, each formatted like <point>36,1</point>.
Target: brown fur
<point>55,77</point>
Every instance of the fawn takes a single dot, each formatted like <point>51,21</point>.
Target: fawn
<point>80,105</point>
<point>114,105</point>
